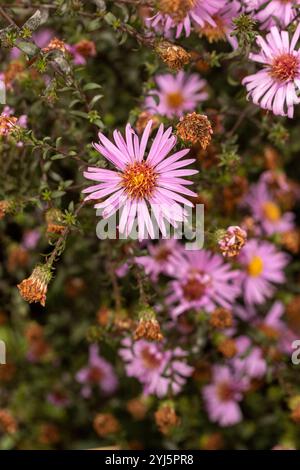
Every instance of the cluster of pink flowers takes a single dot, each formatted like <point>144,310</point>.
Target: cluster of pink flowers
<point>160,370</point>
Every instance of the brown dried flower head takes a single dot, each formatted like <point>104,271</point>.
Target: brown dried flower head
<point>49,434</point>
<point>291,241</point>
<point>232,241</point>
<point>106,424</point>
<point>195,129</point>
<point>166,418</point>
<point>212,441</point>
<point>177,9</point>
<point>175,57</point>
<point>5,207</point>
<point>221,318</point>
<point>137,407</point>
<point>227,347</point>
<point>86,48</point>
<point>7,124</point>
<point>8,423</point>
<point>34,288</point>
<point>55,44</point>
<point>148,329</point>
<point>54,219</point>
<point>18,257</point>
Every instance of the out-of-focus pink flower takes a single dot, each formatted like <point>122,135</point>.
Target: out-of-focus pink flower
<point>82,51</point>
<point>159,370</point>
<point>176,94</point>
<point>202,280</point>
<point>30,239</point>
<point>270,13</point>
<point>98,372</point>
<point>140,183</point>
<point>274,322</point>
<point>249,360</point>
<point>266,211</point>
<point>198,13</point>
<point>275,86</point>
<point>224,26</point>
<point>158,260</point>
<point>223,395</point>
<point>58,398</point>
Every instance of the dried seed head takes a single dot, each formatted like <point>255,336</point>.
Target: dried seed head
<point>232,241</point>
<point>291,240</point>
<point>172,55</point>
<point>106,424</point>
<point>137,407</point>
<point>34,288</point>
<point>55,44</point>
<point>166,418</point>
<point>54,219</point>
<point>5,207</point>
<point>49,434</point>
<point>195,129</point>
<point>227,347</point>
<point>7,124</point>
<point>8,423</point>
<point>86,48</point>
<point>221,318</point>
<point>212,441</point>
<point>148,329</point>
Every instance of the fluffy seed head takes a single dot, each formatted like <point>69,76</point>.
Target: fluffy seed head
<point>195,129</point>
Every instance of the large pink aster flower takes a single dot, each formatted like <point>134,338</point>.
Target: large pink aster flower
<point>223,395</point>
<point>266,211</point>
<point>203,281</point>
<point>141,183</point>
<point>263,267</point>
<point>159,370</point>
<point>176,94</point>
<point>269,13</point>
<point>179,15</point>
<point>98,372</point>
<point>274,87</point>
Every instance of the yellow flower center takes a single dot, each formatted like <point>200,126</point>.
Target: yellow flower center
<point>175,100</point>
<point>285,67</point>
<point>139,180</point>
<point>256,266</point>
<point>271,211</point>
<point>177,9</point>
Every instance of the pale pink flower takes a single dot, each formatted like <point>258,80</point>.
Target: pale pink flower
<point>158,260</point>
<point>203,280</point>
<point>263,268</point>
<point>266,211</point>
<point>249,360</point>
<point>223,395</point>
<point>270,13</point>
<point>176,94</point>
<point>141,183</point>
<point>160,370</point>
<point>275,86</point>
<point>98,372</point>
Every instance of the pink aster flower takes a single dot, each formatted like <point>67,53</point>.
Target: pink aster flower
<point>249,360</point>
<point>275,325</point>
<point>272,12</point>
<point>158,260</point>
<point>266,211</point>
<point>202,281</point>
<point>159,370</point>
<point>197,12</point>
<point>223,395</point>
<point>275,86</point>
<point>98,372</point>
<point>263,267</point>
<point>224,25</point>
<point>141,183</point>
<point>30,239</point>
<point>176,94</point>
